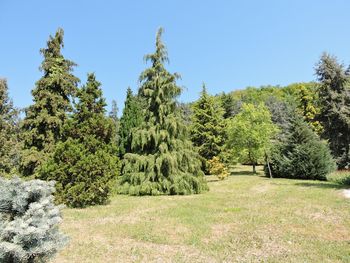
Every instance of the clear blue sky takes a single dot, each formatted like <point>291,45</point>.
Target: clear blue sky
<point>226,44</point>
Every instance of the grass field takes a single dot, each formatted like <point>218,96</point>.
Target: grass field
<point>242,219</point>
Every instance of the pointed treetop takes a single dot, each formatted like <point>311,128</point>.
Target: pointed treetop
<point>204,90</point>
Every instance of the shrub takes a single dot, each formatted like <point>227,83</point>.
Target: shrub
<point>216,167</point>
<point>28,221</point>
<point>340,177</point>
<point>83,177</point>
<point>302,156</point>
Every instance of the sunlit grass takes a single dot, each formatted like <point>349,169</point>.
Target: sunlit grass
<point>245,218</point>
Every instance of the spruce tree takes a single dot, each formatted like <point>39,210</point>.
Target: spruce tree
<point>208,126</point>
<point>302,155</point>
<point>44,120</point>
<point>334,116</point>
<point>9,132</point>
<point>162,160</point>
<point>29,221</point>
<point>86,164</point>
<point>132,118</point>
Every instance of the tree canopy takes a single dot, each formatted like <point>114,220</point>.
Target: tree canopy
<point>250,132</point>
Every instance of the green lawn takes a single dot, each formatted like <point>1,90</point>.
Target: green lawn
<point>245,218</point>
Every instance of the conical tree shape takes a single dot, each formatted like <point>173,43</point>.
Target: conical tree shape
<point>9,141</point>
<point>85,165</point>
<point>302,156</point>
<point>44,121</point>
<point>162,160</point>
<point>208,126</point>
<point>334,94</point>
<point>132,117</point>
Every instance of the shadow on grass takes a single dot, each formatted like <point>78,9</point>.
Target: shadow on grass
<point>321,185</point>
<point>212,179</point>
<point>243,173</point>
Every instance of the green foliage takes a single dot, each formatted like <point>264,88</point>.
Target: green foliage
<point>44,120</point>
<point>9,133</point>
<point>208,126</point>
<point>307,101</point>
<point>302,156</point>
<point>85,165</point>
<point>250,133</point>
<point>162,159</point>
<point>28,221</point>
<point>132,118</point>
<point>341,177</point>
<point>334,94</point>
<point>216,167</point>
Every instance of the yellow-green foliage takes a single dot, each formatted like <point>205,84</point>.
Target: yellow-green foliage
<point>216,167</point>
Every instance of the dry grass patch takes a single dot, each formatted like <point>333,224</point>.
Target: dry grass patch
<point>242,219</point>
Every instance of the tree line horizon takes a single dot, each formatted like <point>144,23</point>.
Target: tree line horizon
<point>162,146</point>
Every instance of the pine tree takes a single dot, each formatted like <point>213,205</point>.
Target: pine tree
<point>208,126</point>
<point>132,118</point>
<point>334,97</point>
<point>86,164</point>
<point>44,120</point>
<point>113,114</point>
<point>162,160</point>
<point>302,155</point>
<point>9,132</point>
<point>29,221</point>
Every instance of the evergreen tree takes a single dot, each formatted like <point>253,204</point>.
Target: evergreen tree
<point>85,165</point>
<point>113,114</point>
<point>230,105</point>
<point>132,118</point>
<point>302,155</point>
<point>9,132</point>
<point>334,97</point>
<point>44,120</point>
<point>29,221</point>
<point>208,126</point>
<point>162,160</point>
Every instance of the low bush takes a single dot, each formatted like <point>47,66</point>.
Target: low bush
<point>341,177</point>
<point>216,167</point>
<point>28,221</point>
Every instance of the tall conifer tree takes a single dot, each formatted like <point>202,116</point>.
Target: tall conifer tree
<point>334,97</point>
<point>9,141</point>
<point>208,126</point>
<point>132,117</point>
<point>85,165</point>
<point>162,160</point>
<point>44,120</point>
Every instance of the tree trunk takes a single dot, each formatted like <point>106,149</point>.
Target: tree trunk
<point>254,170</point>
<point>268,165</point>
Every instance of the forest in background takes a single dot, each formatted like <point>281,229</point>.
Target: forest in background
<point>160,146</point>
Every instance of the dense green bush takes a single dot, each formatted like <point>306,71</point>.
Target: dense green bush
<point>340,177</point>
<point>28,221</point>
<point>302,155</point>
<point>83,177</point>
